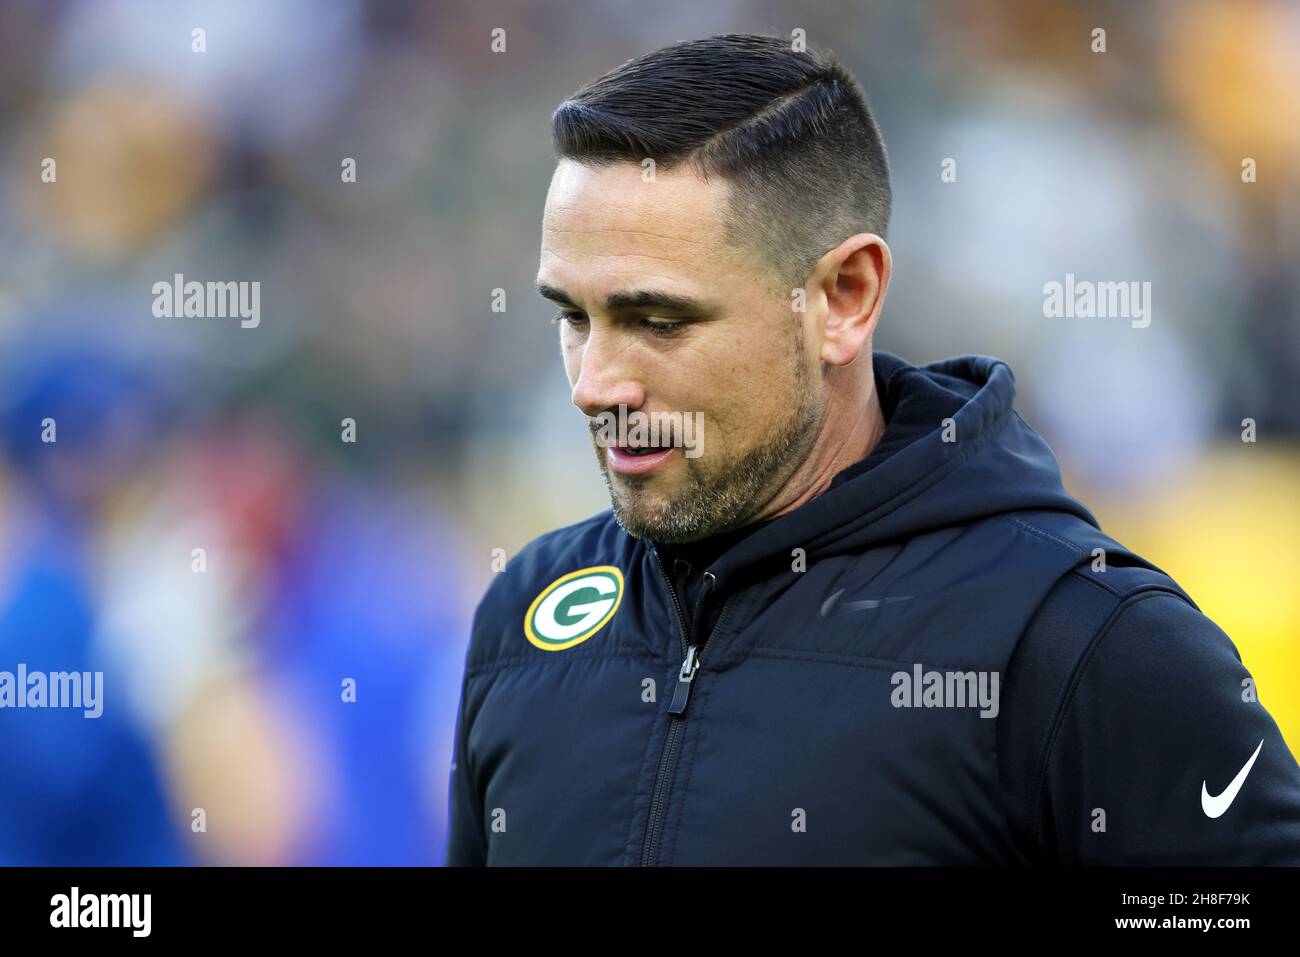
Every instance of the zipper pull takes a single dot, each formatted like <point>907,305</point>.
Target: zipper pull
<point>682,693</point>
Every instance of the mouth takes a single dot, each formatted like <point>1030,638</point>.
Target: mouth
<point>637,460</point>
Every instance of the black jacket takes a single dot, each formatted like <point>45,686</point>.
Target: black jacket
<point>939,660</point>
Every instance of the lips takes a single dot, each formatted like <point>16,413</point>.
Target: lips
<point>630,460</point>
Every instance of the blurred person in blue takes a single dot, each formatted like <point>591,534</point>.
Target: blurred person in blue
<point>376,599</point>
<point>74,790</point>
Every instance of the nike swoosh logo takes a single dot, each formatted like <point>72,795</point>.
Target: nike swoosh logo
<point>1215,806</point>
<point>862,604</point>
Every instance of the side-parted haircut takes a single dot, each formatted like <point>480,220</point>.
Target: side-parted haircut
<point>790,132</point>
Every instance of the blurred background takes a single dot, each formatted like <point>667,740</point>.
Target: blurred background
<point>327,560</point>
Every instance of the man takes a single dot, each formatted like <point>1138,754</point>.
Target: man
<point>861,622</point>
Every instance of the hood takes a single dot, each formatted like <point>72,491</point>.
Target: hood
<point>992,463</point>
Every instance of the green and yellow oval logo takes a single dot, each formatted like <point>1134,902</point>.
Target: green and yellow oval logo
<point>574,607</point>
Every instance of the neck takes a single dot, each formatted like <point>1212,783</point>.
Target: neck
<point>852,426</point>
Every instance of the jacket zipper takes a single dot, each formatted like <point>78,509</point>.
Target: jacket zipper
<point>691,657</point>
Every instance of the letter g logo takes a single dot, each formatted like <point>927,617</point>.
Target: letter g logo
<point>574,607</point>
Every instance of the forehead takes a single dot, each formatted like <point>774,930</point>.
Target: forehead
<point>608,225</point>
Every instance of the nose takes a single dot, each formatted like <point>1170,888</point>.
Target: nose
<point>605,378</point>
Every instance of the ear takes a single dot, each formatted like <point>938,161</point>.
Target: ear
<point>853,277</point>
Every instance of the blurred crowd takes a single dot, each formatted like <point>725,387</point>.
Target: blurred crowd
<point>202,531</point>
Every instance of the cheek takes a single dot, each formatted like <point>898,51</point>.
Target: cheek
<point>741,386</point>
<point>571,354</point>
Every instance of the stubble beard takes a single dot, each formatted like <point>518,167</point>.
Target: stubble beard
<point>723,496</point>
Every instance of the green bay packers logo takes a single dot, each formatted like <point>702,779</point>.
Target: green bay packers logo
<point>574,607</point>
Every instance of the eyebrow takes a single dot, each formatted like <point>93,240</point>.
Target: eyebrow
<point>644,300</point>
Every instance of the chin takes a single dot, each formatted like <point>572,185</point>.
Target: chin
<point>662,522</point>
<point>645,517</point>
<point>639,523</point>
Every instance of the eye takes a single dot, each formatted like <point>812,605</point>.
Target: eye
<point>574,319</point>
<point>662,329</point>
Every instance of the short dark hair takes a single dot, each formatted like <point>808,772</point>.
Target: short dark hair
<point>790,131</point>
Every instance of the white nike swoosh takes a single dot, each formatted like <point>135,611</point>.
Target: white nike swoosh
<point>1215,806</point>
<point>860,605</point>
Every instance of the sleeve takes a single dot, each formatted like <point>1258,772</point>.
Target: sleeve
<point>466,841</point>
<point>1164,753</point>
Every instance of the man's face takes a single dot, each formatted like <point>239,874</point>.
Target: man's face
<point>731,350</point>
